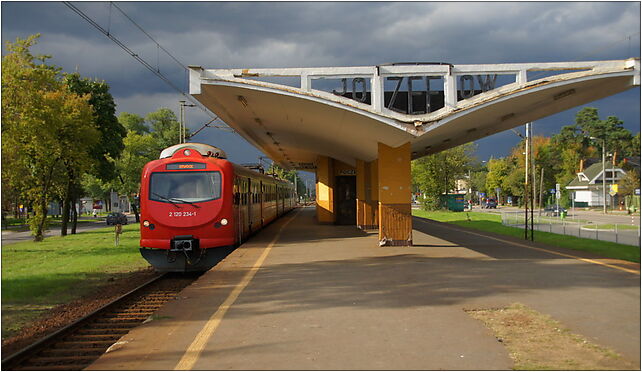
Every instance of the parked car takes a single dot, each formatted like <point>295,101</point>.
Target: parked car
<point>554,211</point>
<point>116,218</point>
<point>490,203</point>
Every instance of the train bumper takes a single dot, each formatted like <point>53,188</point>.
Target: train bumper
<point>166,260</point>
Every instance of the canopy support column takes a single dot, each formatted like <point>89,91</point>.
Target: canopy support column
<point>325,190</point>
<point>395,219</point>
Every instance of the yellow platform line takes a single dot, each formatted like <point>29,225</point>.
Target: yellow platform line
<point>631,271</point>
<point>196,347</point>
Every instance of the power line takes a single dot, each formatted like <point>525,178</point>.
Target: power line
<point>156,71</point>
<point>149,36</point>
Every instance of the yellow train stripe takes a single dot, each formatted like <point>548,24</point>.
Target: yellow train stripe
<point>194,350</point>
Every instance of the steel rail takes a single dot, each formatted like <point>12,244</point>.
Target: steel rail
<point>18,356</point>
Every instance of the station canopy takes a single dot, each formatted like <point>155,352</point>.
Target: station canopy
<point>434,106</point>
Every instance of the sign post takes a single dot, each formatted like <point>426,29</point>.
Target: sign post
<point>558,194</point>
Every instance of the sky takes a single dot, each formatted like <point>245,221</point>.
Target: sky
<point>320,34</point>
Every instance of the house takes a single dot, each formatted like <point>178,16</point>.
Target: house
<point>587,186</point>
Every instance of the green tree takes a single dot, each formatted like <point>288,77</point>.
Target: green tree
<point>133,123</point>
<point>139,150</point>
<point>107,147</point>
<point>436,174</point>
<point>46,129</point>
<point>290,175</point>
<point>164,127</point>
<point>498,172</point>
<point>629,183</point>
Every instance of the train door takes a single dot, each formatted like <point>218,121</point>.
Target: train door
<point>261,192</point>
<point>250,208</point>
<point>238,229</point>
<point>345,196</point>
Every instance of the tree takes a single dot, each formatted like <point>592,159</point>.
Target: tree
<point>629,183</point>
<point>107,147</point>
<point>498,171</point>
<point>133,123</point>
<point>436,174</point>
<point>45,128</point>
<point>165,127</point>
<point>290,175</point>
<point>139,150</point>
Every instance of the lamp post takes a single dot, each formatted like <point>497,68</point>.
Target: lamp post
<point>603,172</point>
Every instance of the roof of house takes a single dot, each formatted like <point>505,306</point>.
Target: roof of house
<point>591,172</point>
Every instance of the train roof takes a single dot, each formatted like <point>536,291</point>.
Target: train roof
<point>203,149</point>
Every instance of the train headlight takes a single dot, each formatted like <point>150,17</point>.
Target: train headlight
<point>146,223</point>
<point>224,222</point>
<point>187,152</point>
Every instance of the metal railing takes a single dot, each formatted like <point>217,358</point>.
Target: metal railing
<point>618,233</point>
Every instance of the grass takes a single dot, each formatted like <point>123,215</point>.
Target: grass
<point>39,276</point>
<point>535,341</point>
<point>609,226</point>
<point>493,223</point>
<point>20,224</point>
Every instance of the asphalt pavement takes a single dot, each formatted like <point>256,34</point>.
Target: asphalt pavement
<point>304,296</point>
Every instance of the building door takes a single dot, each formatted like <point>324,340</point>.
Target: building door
<point>345,196</point>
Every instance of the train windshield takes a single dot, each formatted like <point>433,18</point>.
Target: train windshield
<point>188,187</point>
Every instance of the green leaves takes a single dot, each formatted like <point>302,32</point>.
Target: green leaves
<point>436,174</point>
<point>47,129</point>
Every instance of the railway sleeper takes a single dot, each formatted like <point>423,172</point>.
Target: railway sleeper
<point>95,351</point>
<point>118,318</point>
<point>129,313</point>
<point>78,359</point>
<point>103,331</point>
<point>145,308</point>
<point>50,367</point>
<point>95,337</point>
<point>82,344</point>
<point>104,324</point>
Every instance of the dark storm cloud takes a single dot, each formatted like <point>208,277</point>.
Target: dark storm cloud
<point>292,34</point>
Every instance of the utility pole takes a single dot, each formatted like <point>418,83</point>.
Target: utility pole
<point>181,130</point>
<point>526,183</point>
<point>603,172</point>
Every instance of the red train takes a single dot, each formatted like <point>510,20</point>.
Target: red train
<point>194,204</point>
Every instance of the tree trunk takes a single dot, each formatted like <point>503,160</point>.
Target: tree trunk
<point>41,213</point>
<point>135,208</point>
<point>64,219</point>
<point>40,210</point>
<point>74,213</point>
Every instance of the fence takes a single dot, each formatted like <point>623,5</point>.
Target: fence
<point>619,233</point>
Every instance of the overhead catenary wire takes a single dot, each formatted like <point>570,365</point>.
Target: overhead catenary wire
<point>155,71</point>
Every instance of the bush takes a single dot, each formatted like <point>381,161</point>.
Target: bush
<point>431,203</point>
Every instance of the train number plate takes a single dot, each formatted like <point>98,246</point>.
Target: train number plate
<point>182,214</point>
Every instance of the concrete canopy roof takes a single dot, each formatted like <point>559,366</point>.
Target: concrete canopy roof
<point>293,126</point>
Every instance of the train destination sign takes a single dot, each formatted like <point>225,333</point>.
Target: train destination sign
<point>185,165</point>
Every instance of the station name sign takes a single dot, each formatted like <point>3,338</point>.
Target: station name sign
<point>413,94</point>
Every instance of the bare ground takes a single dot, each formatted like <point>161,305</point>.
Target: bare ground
<point>537,342</point>
<point>60,316</point>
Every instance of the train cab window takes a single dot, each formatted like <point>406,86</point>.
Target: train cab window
<point>173,187</point>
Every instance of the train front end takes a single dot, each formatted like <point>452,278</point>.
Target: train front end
<point>186,213</point>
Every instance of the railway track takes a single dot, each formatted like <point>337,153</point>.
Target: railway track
<point>79,344</point>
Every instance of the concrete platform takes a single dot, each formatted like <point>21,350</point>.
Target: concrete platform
<point>305,296</point>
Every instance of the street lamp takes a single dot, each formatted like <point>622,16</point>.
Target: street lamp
<point>603,171</point>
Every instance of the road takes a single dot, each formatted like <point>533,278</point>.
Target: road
<point>12,236</point>
<point>591,216</point>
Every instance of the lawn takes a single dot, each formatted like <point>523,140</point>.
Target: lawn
<point>493,223</point>
<point>39,276</point>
